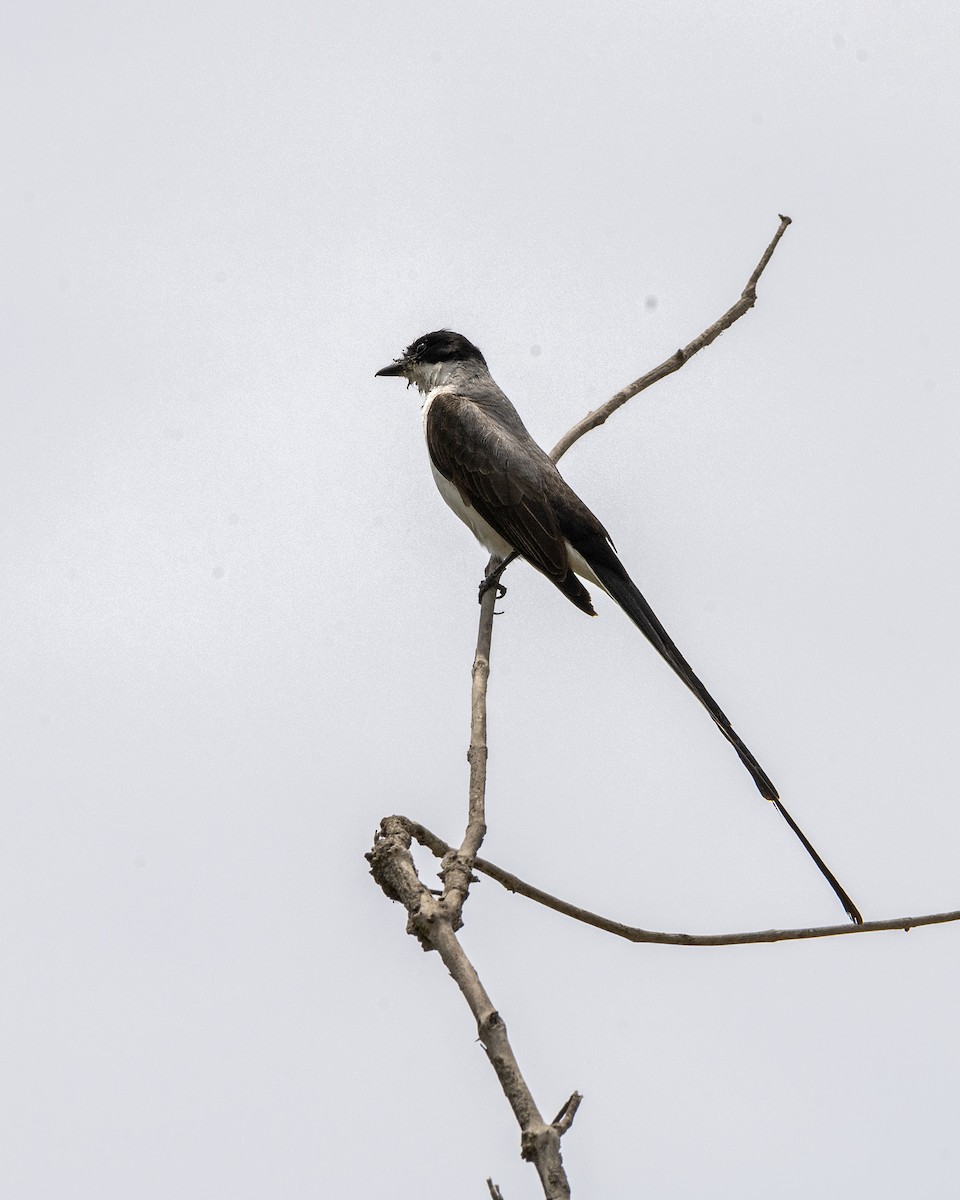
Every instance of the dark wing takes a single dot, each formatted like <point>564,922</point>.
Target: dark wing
<point>508,479</point>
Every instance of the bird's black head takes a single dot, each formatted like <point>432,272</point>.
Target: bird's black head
<point>441,346</point>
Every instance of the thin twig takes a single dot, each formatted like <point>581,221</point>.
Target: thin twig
<point>748,297</point>
<point>633,933</point>
<point>495,1193</point>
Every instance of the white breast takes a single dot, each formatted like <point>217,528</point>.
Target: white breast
<point>481,530</point>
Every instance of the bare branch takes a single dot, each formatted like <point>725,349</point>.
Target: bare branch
<point>433,922</point>
<point>457,868</point>
<point>633,933</point>
<point>748,297</point>
<point>495,1193</point>
<point>477,754</point>
<point>564,1118</point>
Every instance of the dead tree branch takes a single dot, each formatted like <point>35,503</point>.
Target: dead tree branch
<point>748,298</point>
<point>435,921</point>
<point>633,933</point>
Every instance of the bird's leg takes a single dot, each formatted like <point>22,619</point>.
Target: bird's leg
<point>491,577</point>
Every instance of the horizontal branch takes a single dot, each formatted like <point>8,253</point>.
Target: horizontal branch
<point>633,933</point>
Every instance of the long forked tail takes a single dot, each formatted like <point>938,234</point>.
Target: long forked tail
<point>618,584</point>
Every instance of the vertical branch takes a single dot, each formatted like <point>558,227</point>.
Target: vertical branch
<point>477,754</point>
<point>458,867</point>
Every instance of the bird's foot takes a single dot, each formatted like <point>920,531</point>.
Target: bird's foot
<point>491,581</point>
<point>491,577</point>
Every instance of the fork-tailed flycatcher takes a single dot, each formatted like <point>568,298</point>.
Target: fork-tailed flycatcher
<point>509,493</point>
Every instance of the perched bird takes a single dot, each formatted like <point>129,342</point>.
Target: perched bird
<point>509,493</point>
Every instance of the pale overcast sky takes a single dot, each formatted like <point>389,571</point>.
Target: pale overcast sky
<point>238,620</point>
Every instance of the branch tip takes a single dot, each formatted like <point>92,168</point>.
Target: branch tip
<point>675,361</point>
<point>564,1118</point>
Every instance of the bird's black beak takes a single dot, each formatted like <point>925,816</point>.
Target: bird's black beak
<point>396,368</point>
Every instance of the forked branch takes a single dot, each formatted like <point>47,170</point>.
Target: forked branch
<point>434,921</point>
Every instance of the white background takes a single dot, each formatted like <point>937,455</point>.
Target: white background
<point>238,621</point>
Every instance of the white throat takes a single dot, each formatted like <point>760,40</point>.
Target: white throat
<point>428,377</point>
